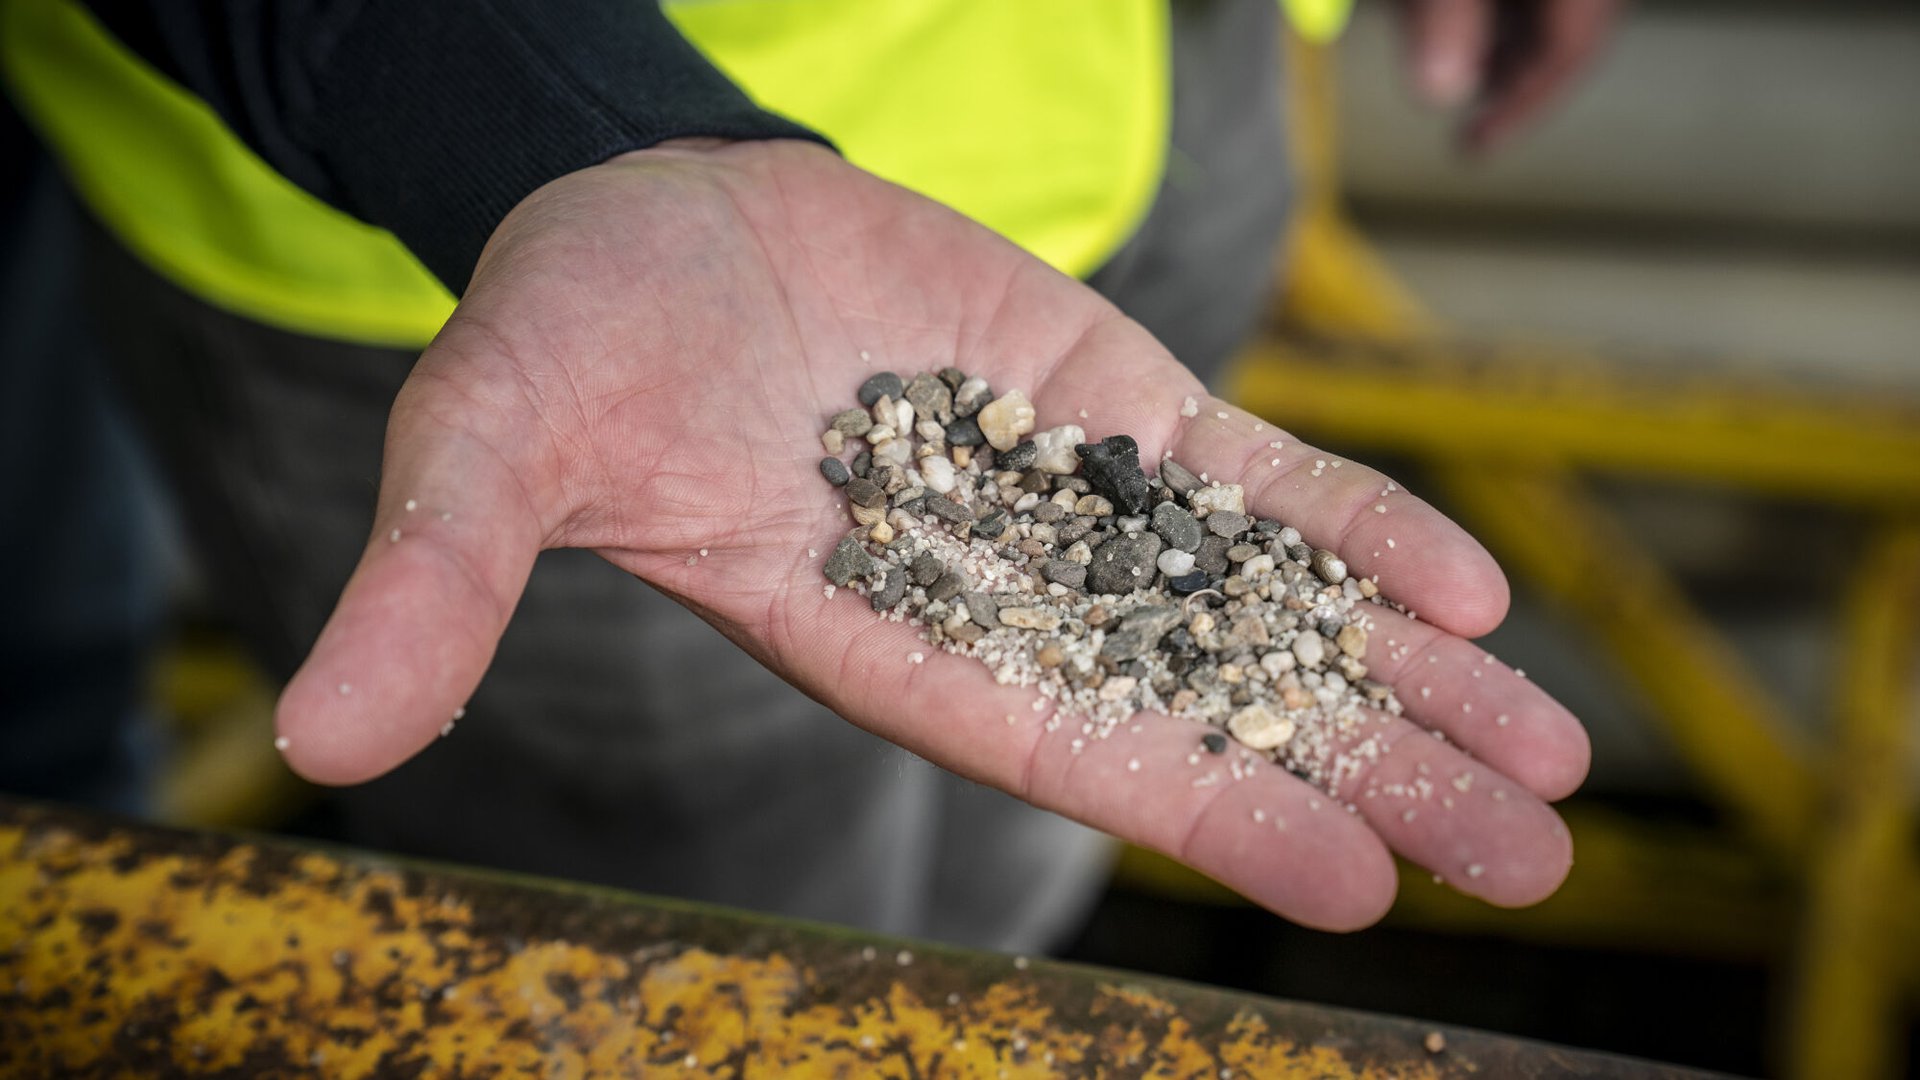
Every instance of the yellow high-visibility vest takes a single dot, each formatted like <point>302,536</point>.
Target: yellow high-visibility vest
<point>1046,120</point>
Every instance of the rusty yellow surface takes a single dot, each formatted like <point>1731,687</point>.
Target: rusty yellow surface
<point>132,951</point>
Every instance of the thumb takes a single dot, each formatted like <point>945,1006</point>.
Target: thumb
<point>453,542</point>
<point>1448,41</point>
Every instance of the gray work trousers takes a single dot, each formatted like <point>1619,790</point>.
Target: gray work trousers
<point>617,738</point>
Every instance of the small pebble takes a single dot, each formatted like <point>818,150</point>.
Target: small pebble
<point>881,384</point>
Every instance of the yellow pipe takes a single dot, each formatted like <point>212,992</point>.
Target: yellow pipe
<point>1845,1001</point>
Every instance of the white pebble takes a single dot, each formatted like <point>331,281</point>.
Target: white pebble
<point>460,713</point>
<point>1379,508</point>
<point>346,688</point>
<point>916,658</point>
<point>1054,449</point>
<point>1174,563</point>
<point>1221,415</point>
<point>412,505</point>
<point>1474,870</point>
<point>903,957</point>
<point>1133,765</point>
<point>1309,648</point>
<point>446,729</point>
<point>1426,691</point>
<point>1257,567</point>
<point>1190,408</point>
<point>1503,720</point>
<point>937,473</point>
<point>282,743</point>
<point>393,537</point>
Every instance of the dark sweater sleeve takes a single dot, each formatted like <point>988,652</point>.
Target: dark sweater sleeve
<point>433,119</point>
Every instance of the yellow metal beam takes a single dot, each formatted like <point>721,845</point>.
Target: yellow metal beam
<point>1845,1001</point>
<point>1720,722</point>
<point>1534,403</point>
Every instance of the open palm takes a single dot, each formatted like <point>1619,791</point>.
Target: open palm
<point>642,367</point>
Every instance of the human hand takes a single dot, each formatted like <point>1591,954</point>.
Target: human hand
<point>1510,58</point>
<point>642,366</point>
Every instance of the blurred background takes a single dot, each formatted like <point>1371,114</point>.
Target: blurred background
<point>1662,355</point>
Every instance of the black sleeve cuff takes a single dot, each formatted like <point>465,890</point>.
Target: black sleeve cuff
<point>433,120</point>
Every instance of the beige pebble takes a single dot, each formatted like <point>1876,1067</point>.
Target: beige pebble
<point>1093,506</point>
<point>1030,618</point>
<point>1005,419</point>
<point>1258,727</point>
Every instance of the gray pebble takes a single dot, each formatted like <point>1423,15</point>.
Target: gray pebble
<point>1048,512</point>
<point>1072,531</point>
<point>1061,572</point>
<point>1072,483</point>
<point>1211,556</point>
<point>853,423</point>
<point>947,586</point>
<point>879,385</point>
<point>1176,477</point>
<point>1240,553</point>
<point>953,377</point>
<point>1176,527</point>
<point>925,569</point>
<point>1123,564</point>
<point>949,511</point>
<point>930,397</point>
<point>889,590</point>
<point>848,561</point>
<point>1300,553</point>
<point>1330,627</point>
<point>1226,523</point>
<point>864,492</point>
<point>982,610</point>
<point>1140,632</point>
<point>835,471</point>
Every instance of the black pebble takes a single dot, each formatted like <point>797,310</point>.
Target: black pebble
<point>879,385</point>
<point>1330,627</point>
<point>965,431</point>
<point>953,377</point>
<point>1112,466</point>
<point>862,461</point>
<point>835,471</point>
<point>1215,742</point>
<point>1018,459</point>
<point>991,526</point>
<point>1189,583</point>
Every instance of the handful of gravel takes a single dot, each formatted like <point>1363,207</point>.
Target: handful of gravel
<point>1061,565</point>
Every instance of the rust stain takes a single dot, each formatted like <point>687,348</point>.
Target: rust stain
<point>134,951</point>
